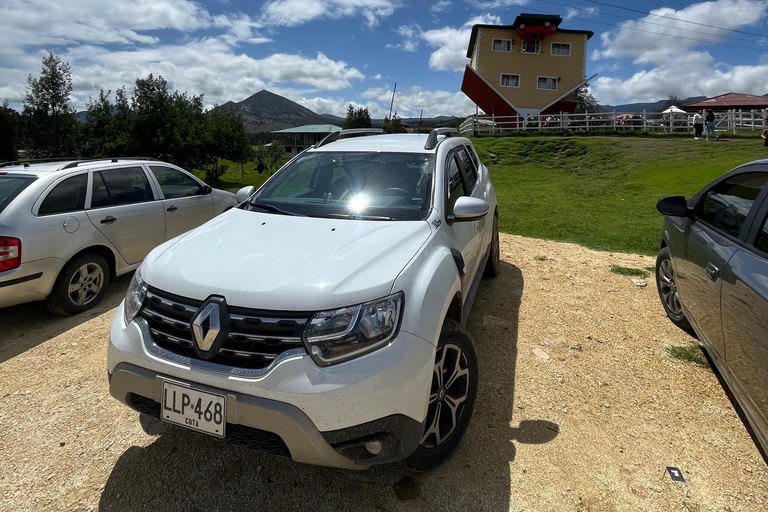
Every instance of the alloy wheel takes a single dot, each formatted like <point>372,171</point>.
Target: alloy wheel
<point>86,284</point>
<point>448,395</point>
<point>668,287</point>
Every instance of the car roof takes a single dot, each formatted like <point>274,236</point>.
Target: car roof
<point>385,142</point>
<point>40,169</point>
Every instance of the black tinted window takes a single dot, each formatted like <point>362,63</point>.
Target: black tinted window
<point>762,237</point>
<point>469,167</point>
<point>99,195</point>
<point>455,185</point>
<point>127,185</point>
<point>727,204</point>
<point>10,187</point>
<point>67,196</point>
<point>174,183</point>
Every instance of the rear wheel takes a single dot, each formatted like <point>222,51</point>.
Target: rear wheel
<point>666,283</point>
<point>451,397</point>
<point>493,265</point>
<point>81,285</point>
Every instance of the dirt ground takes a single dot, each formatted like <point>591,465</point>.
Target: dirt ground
<point>580,408</point>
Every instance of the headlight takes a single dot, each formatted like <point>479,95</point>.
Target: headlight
<point>134,298</point>
<point>342,334</point>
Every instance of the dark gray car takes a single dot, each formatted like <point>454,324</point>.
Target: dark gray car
<point>712,276</point>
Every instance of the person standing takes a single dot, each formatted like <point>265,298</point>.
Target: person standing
<point>698,125</point>
<point>710,119</point>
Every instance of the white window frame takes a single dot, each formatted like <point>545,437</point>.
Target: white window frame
<point>538,45</point>
<point>554,78</point>
<point>508,41</point>
<point>501,78</point>
<point>552,49</point>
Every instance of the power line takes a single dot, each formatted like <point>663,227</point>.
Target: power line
<point>585,9</point>
<point>671,18</point>
<point>634,29</point>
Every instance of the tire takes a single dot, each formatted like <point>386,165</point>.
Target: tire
<point>442,432</point>
<point>666,284</point>
<point>81,285</point>
<point>493,265</point>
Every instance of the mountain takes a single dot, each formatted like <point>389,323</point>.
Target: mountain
<point>266,112</point>
<point>334,119</point>
<point>648,107</point>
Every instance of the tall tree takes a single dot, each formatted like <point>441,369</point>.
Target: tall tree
<point>585,102</point>
<point>98,119</point>
<point>357,118</point>
<point>48,116</point>
<point>394,125</point>
<point>9,133</point>
<point>226,138</point>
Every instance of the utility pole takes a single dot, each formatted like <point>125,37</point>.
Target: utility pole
<point>393,102</point>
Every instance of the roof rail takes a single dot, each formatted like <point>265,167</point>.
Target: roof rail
<point>443,130</point>
<point>348,133</point>
<point>113,160</point>
<point>26,163</point>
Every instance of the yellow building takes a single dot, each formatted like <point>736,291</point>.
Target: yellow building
<point>530,67</point>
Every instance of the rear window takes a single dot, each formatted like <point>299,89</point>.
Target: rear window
<point>67,196</point>
<point>10,187</point>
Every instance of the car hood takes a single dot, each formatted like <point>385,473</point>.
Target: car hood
<point>284,262</point>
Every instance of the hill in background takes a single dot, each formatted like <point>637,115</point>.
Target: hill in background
<point>266,112</point>
<point>648,107</point>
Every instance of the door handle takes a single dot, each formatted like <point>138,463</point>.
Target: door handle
<point>171,208</point>
<point>108,220</point>
<point>712,271</point>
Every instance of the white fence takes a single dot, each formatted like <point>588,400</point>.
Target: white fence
<point>731,120</point>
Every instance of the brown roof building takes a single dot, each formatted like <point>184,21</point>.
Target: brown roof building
<point>729,101</point>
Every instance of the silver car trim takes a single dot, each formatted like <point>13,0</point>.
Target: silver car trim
<point>162,353</point>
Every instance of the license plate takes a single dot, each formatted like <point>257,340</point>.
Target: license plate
<point>197,410</point>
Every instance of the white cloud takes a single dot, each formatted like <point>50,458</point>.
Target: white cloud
<point>410,102</point>
<point>440,6</point>
<point>658,44</point>
<point>377,76</point>
<point>291,13</point>
<point>673,65</point>
<point>497,4</point>
<point>581,12</point>
<point>410,36</point>
<point>451,43</point>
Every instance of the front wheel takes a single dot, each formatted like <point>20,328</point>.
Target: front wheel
<point>451,397</point>
<point>493,265</point>
<point>666,284</point>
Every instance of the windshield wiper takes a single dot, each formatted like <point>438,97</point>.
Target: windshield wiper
<point>358,216</point>
<point>274,209</point>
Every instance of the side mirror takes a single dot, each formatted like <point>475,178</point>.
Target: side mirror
<point>467,209</point>
<point>674,206</point>
<point>244,193</point>
<point>207,190</point>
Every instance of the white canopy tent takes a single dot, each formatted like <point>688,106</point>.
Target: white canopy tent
<point>674,110</point>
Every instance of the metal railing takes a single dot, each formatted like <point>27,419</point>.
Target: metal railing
<point>658,122</point>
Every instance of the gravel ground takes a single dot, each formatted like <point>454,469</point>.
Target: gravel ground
<point>580,408</point>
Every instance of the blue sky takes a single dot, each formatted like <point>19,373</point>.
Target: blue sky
<point>326,54</point>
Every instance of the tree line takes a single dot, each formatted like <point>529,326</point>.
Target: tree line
<point>153,121</point>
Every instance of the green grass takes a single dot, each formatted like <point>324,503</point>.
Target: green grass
<point>232,180</point>
<point>688,353</point>
<point>601,192</point>
<point>627,271</point>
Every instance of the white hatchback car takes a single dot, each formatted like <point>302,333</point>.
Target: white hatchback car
<point>323,318</point>
<point>68,227</point>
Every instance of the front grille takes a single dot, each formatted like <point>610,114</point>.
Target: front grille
<point>256,337</point>
<point>250,437</point>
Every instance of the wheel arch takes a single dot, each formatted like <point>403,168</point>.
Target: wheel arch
<point>103,251</point>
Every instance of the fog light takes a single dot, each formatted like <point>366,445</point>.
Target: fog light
<point>373,447</point>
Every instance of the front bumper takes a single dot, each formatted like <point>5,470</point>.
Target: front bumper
<point>30,282</point>
<point>323,415</point>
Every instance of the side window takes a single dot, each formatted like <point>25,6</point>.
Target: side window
<point>126,185</point>
<point>174,183</point>
<point>727,204</point>
<point>67,196</point>
<point>762,237</point>
<point>455,185</point>
<point>99,194</point>
<point>469,167</point>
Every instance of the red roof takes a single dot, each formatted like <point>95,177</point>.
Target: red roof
<point>730,100</point>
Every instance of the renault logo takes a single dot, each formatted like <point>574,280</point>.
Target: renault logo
<point>210,327</point>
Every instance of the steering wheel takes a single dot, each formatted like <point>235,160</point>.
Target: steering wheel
<point>400,191</point>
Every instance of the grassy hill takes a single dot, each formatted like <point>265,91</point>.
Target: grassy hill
<point>601,192</point>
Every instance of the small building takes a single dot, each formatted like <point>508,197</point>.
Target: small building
<point>295,140</point>
<point>729,101</point>
<point>530,67</point>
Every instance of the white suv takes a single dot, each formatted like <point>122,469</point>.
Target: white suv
<point>322,319</point>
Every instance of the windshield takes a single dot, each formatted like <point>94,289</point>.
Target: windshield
<point>10,187</point>
<point>371,186</point>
